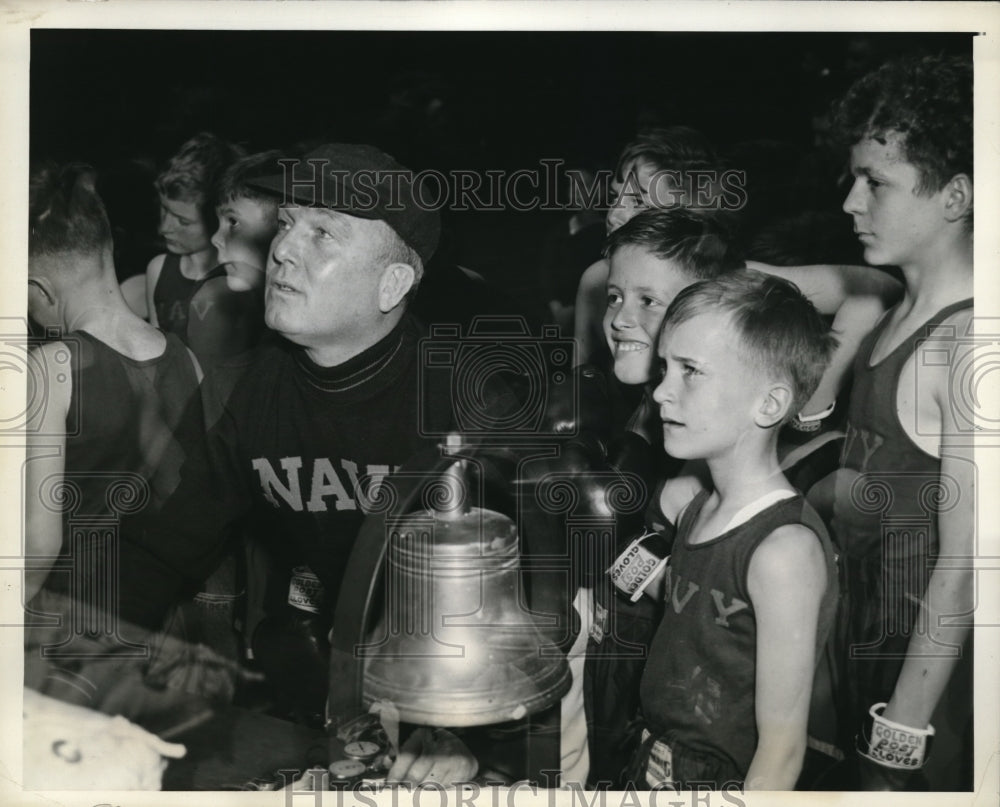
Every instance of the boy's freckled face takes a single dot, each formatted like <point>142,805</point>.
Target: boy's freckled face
<point>246,228</point>
<point>182,227</point>
<point>709,392</point>
<point>895,225</point>
<point>640,287</point>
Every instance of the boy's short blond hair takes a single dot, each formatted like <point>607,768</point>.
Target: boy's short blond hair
<point>780,331</point>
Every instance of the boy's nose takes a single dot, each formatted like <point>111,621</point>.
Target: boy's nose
<point>853,202</point>
<point>662,393</point>
<point>216,239</point>
<point>622,319</point>
<point>616,218</point>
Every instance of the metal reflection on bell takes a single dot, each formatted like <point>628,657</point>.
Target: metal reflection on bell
<point>454,647</point>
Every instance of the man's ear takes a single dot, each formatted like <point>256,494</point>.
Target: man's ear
<point>957,197</point>
<point>397,279</point>
<point>774,405</point>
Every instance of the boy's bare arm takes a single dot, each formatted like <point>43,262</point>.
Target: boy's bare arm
<point>46,455</point>
<point>853,321</point>
<point>786,581</point>
<point>153,270</point>
<point>950,595</point>
<point>828,286</point>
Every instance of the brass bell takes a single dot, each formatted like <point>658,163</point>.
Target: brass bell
<point>454,646</point>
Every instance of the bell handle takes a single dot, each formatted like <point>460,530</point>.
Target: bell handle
<point>361,576</point>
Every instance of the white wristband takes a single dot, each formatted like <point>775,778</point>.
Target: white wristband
<point>636,567</point>
<point>893,745</point>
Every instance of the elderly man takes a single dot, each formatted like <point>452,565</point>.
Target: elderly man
<point>315,421</point>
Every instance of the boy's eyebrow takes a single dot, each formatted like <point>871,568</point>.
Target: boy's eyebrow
<point>684,360</point>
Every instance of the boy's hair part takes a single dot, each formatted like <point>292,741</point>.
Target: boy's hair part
<point>65,214</point>
<point>928,101</point>
<point>699,241</point>
<point>235,182</point>
<point>670,148</point>
<point>780,330</point>
<point>193,173</point>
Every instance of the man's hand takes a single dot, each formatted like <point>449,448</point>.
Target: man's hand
<point>433,755</point>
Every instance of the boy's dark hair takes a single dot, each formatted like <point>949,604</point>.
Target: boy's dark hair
<point>927,100</point>
<point>193,172</point>
<point>65,214</point>
<point>780,330</point>
<point>234,182</point>
<point>673,148</point>
<point>700,241</point>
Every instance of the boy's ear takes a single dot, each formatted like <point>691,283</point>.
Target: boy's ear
<point>958,197</point>
<point>45,287</point>
<point>397,280</point>
<point>774,405</point>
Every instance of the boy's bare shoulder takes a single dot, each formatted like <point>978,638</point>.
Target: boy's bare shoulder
<point>678,492</point>
<point>791,555</point>
<point>155,265</point>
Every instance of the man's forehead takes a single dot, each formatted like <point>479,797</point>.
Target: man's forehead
<point>337,217</point>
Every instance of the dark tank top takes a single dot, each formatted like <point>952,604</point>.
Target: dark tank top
<point>896,483</point>
<point>127,435</point>
<point>699,686</point>
<point>173,293</point>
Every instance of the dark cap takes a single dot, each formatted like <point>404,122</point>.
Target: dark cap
<point>361,181</point>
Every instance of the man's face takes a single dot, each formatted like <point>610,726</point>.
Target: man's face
<point>709,393</point>
<point>182,227</point>
<point>895,225</point>
<point>640,287</point>
<point>323,280</point>
<point>246,228</point>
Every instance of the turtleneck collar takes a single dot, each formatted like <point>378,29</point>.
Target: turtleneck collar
<point>357,372</point>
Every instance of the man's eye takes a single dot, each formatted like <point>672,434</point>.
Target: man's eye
<point>282,224</point>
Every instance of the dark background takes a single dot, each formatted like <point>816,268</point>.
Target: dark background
<point>124,101</point>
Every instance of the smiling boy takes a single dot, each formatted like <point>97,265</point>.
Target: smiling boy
<point>652,257</point>
<point>751,581</point>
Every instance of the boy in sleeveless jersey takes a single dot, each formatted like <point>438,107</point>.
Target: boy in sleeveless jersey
<point>907,656</point>
<point>110,437</point>
<point>750,590</point>
<point>186,188</point>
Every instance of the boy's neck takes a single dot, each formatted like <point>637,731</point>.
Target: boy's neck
<point>195,265</point>
<point>99,308</point>
<point>745,474</point>
<point>939,277</point>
